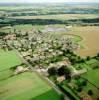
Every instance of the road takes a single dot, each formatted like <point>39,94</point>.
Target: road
<point>41,75</point>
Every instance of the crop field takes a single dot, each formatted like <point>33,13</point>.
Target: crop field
<point>26,86</point>
<point>90,35</point>
<point>60,16</point>
<point>8,59</point>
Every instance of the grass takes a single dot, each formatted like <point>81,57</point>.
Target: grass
<point>71,92</point>
<point>26,86</point>
<point>5,74</point>
<point>91,61</point>
<point>81,66</point>
<point>8,59</point>
<point>94,90</point>
<point>22,28</point>
<point>93,76</point>
<point>86,88</point>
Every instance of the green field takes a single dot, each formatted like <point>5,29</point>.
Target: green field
<point>23,86</point>
<point>93,83</point>
<point>8,59</point>
<point>93,76</point>
<point>23,28</point>
<point>26,86</point>
<point>94,89</point>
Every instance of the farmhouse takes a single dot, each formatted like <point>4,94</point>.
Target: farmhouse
<point>61,78</point>
<point>21,69</point>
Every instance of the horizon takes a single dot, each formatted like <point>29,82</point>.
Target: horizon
<point>50,1</point>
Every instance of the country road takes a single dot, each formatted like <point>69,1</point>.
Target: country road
<point>40,74</point>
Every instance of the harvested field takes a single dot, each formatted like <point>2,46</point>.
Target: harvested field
<point>90,35</point>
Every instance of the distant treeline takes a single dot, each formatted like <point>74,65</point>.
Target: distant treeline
<point>50,11</point>
<point>4,22</point>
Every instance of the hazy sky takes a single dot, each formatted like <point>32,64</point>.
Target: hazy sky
<point>49,1</point>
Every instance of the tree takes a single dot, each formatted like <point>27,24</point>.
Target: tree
<point>52,71</point>
<point>90,92</point>
<point>79,89</point>
<point>97,98</point>
<point>84,83</point>
<point>88,58</point>
<point>62,97</point>
<point>64,71</point>
<point>97,54</point>
<point>61,71</point>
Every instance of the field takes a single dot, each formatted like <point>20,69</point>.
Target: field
<point>60,16</point>
<point>93,83</point>
<point>8,59</point>
<point>90,35</point>
<point>23,28</point>
<point>94,90</point>
<point>93,77</point>
<point>24,86</point>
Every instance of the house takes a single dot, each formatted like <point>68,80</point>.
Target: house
<point>10,37</point>
<point>21,69</point>
<point>61,78</point>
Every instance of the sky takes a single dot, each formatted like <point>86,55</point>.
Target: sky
<point>41,1</point>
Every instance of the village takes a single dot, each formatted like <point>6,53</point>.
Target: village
<point>52,56</point>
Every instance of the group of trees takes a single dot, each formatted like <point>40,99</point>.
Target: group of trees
<point>60,71</point>
<point>12,22</point>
